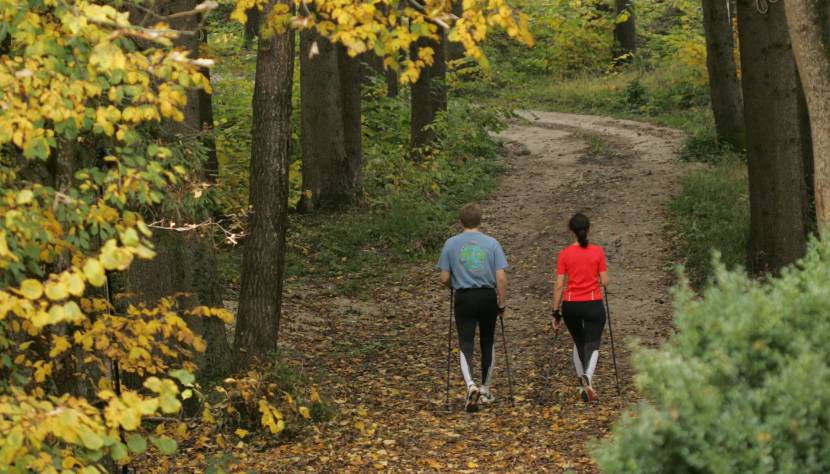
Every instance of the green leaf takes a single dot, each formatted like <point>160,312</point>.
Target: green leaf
<point>166,446</point>
<point>136,443</point>
<point>183,376</point>
<point>37,147</point>
<point>90,439</point>
<point>118,451</point>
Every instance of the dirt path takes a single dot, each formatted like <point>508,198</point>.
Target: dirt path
<point>386,355</point>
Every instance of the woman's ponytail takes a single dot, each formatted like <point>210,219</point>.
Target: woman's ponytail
<point>582,237</point>
<point>579,225</point>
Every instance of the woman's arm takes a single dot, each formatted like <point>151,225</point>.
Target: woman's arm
<point>558,291</point>
<point>603,279</point>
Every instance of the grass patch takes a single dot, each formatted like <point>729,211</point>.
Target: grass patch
<point>712,214</point>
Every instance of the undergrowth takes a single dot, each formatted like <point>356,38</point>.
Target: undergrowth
<point>407,206</point>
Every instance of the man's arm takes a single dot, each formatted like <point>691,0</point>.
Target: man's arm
<point>603,279</point>
<point>501,287</point>
<point>445,279</point>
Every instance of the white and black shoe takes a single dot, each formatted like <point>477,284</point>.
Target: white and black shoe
<point>473,395</point>
<point>486,397</point>
<point>587,390</point>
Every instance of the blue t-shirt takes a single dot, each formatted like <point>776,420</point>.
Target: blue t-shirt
<point>472,258</point>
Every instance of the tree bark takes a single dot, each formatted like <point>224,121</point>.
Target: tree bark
<point>263,260</point>
<point>330,177</point>
<point>723,78</point>
<point>625,33</point>
<point>428,97</point>
<point>438,76</point>
<point>809,161</point>
<point>351,78</point>
<point>775,147</point>
<point>809,25</point>
<point>211,167</point>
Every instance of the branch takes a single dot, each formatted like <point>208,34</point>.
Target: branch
<point>420,8</point>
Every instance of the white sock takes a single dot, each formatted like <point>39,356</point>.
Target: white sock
<point>465,370</point>
<point>577,362</point>
<point>592,365</point>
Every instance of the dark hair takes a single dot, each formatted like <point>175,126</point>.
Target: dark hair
<point>470,215</point>
<point>579,225</point>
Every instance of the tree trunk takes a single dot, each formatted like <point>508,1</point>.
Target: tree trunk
<point>251,26</point>
<point>625,33</point>
<point>329,175</point>
<point>723,78</point>
<point>185,264</point>
<point>775,151</point>
<point>438,77</point>
<point>211,168</point>
<point>809,161</point>
<point>351,77</point>
<point>809,24</point>
<point>392,87</point>
<point>455,50</point>
<point>263,260</point>
<point>428,95</point>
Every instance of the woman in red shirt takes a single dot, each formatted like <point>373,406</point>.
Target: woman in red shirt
<point>580,271</point>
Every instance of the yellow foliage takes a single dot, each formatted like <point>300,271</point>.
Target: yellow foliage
<point>386,29</point>
<point>73,72</point>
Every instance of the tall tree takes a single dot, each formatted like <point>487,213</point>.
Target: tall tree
<point>724,86</point>
<point>625,32</point>
<point>252,19</point>
<point>455,50</point>
<point>263,258</point>
<point>428,95</point>
<point>775,145</point>
<point>350,72</point>
<point>809,25</point>
<point>330,131</point>
<point>185,265</point>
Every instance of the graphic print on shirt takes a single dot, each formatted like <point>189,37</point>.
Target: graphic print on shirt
<point>472,256</point>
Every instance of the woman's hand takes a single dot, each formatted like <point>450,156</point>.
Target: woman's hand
<point>556,315</point>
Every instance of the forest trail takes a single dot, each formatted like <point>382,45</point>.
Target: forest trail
<point>384,352</point>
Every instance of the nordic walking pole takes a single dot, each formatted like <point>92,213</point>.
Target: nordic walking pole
<point>552,357</point>
<point>507,361</point>
<point>449,350</point>
<point>611,333</point>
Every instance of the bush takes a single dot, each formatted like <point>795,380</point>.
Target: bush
<point>635,93</point>
<point>743,384</point>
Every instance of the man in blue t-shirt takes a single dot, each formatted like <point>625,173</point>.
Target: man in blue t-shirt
<point>473,264</point>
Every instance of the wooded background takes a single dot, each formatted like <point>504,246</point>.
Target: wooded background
<point>160,161</point>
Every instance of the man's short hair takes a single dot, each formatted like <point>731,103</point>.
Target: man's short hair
<point>470,215</point>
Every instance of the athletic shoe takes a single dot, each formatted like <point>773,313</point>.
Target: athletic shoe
<point>589,390</point>
<point>583,395</point>
<point>486,397</point>
<point>472,399</point>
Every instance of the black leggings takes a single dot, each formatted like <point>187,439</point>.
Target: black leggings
<point>585,321</point>
<point>476,307</point>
